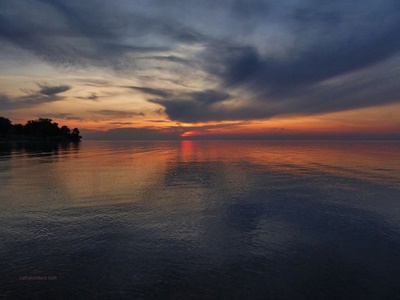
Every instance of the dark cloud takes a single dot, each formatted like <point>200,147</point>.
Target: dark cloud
<point>92,96</point>
<point>250,9</point>
<point>193,107</point>
<point>272,57</point>
<point>132,134</point>
<point>245,67</point>
<point>168,58</point>
<point>209,96</point>
<point>87,33</point>
<point>368,87</point>
<point>27,101</point>
<point>152,91</point>
<point>45,94</point>
<point>46,90</point>
<point>116,113</point>
<point>65,116</point>
<point>52,90</point>
<point>186,110</point>
<point>190,111</point>
<point>157,121</point>
<point>5,102</point>
<point>121,123</point>
<point>332,41</point>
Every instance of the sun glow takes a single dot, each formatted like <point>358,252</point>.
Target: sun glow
<point>188,134</point>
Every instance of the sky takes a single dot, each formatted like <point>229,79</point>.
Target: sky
<point>220,69</point>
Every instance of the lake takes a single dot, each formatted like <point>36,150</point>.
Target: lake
<point>200,220</point>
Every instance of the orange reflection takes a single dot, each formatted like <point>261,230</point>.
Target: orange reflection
<point>188,134</point>
<point>100,173</point>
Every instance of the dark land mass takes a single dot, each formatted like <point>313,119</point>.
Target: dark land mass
<point>42,129</point>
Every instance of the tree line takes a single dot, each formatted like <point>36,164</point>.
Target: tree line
<point>39,129</point>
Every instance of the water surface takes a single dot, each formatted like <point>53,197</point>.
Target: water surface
<point>200,220</point>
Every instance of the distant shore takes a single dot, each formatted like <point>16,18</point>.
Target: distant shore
<point>18,138</point>
<point>42,129</point>
<point>6,139</point>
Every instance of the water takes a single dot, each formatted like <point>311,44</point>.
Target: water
<point>200,220</point>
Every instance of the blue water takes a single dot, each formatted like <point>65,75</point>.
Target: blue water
<point>200,220</point>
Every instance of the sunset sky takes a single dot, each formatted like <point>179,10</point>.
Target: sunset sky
<point>147,69</point>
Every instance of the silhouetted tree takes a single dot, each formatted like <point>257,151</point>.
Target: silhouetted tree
<point>17,129</point>
<point>42,127</point>
<point>5,125</point>
<point>75,134</point>
<point>65,131</point>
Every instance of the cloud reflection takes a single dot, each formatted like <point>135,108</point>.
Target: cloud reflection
<point>193,219</point>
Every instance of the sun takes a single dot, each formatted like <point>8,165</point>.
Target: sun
<point>188,134</point>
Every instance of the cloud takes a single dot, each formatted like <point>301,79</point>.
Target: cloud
<point>251,59</point>
<point>70,32</point>
<point>246,67</point>
<point>132,134</point>
<point>94,82</point>
<point>65,116</point>
<point>52,90</point>
<point>157,121</point>
<point>116,113</point>
<point>122,123</point>
<point>5,102</point>
<point>92,96</point>
<point>46,90</point>
<point>76,37</point>
<point>168,58</point>
<point>45,94</point>
<point>287,93</point>
<point>152,91</point>
<point>193,107</point>
<point>8,103</point>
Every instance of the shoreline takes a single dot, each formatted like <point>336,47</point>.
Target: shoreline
<point>6,139</point>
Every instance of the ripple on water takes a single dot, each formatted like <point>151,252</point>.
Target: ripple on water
<point>201,220</point>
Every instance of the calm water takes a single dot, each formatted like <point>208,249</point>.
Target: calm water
<point>200,220</point>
